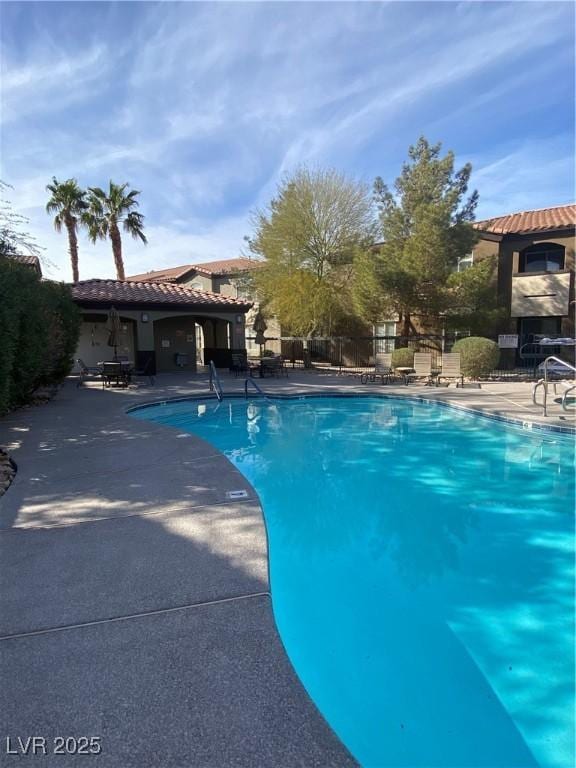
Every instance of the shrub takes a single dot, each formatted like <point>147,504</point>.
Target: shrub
<point>39,329</point>
<point>478,356</point>
<point>403,358</point>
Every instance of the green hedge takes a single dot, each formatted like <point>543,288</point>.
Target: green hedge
<point>403,358</point>
<point>39,329</point>
<point>478,356</point>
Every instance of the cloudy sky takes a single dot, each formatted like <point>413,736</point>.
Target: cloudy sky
<point>204,106</point>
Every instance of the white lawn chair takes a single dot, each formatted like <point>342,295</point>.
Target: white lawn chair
<point>382,369</point>
<point>422,368</point>
<point>451,368</point>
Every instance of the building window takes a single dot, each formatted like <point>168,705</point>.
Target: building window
<point>465,262</point>
<point>532,328</point>
<point>387,330</point>
<point>545,257</point>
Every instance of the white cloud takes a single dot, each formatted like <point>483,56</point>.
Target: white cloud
<point>524,177</point>
<point>51,82</point>
<point>167,246</point>
<point>204,106</point>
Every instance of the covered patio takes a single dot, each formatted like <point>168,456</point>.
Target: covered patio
<point>163,327</point>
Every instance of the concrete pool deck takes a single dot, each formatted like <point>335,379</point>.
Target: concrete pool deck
<point>135,600</point>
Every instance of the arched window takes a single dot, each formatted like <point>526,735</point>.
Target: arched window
<point>544,257</point>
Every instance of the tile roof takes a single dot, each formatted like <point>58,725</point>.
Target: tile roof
<point>173,274</point>
<point>28,259</point>
<point>543,220</point>
<point>227,266</point>
<point>130,292</point>
<point>170,275</point>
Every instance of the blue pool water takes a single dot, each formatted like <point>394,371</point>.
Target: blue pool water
<point>422,572</point>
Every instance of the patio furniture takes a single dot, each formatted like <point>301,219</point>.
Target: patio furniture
<point>116,373</point>
<point>422,368</point>
<point>382,369</point>
<point>451,368</point>
<point>240,364</point>
<point>87,372</point>
<point>272,366</point>
<point>146,372</point>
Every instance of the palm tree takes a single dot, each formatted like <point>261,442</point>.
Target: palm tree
<point>107,211</point>
<point>68,202</point>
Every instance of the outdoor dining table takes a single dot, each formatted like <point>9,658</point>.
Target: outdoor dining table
<point>118,371</point>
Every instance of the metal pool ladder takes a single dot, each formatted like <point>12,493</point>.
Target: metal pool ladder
<point>544,384</point>
<point>256,387</point>
<point>215,383</point>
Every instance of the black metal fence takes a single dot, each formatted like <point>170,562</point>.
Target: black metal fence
<point>353,355</point>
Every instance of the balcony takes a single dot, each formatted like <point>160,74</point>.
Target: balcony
<point>544,294</point>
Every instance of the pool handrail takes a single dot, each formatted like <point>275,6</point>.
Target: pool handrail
<point>256,386</point>
<point>215,383</point>
<point>544,383</point>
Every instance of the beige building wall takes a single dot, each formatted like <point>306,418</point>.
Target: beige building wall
<point>511,288</point>
<point>93,343</point>
<point>535,295</point>
<point>146,329</point>
<point>198,282</point>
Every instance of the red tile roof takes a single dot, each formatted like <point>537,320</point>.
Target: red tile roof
<point>170,275</point>
<point>173,274</point>
<point>227,266</point>
<point>543,220</point>
<point>141,293</point>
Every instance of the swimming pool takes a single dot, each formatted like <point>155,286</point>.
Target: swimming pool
<point>422,571</point>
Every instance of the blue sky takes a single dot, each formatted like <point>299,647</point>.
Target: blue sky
<point>204,107</point>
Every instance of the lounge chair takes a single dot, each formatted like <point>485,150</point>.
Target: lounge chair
<point>87,372</point>
<point>422,368</point>
<point>382,369</point>
<point>451,368</point>
<point>146,372</point>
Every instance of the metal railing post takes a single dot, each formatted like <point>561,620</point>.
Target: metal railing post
<point>544,383</point>
<point>215,384</point>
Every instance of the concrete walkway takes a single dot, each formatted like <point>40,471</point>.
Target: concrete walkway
<point>135,600</point>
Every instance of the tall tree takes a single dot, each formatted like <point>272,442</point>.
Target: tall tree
<point>107,211</point>
<point>308,235</point>
<point>14,239</point>
<point>68,202</point>
<point>425,227</point>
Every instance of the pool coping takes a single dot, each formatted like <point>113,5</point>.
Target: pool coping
<point>524,424</point>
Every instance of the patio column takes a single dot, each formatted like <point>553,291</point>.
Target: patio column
<point>145,341</point>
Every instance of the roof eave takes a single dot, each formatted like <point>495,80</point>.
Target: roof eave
<point>161,306</point>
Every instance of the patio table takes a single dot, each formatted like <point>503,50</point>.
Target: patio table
<point>118,371</point>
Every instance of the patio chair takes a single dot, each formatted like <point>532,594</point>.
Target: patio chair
<point>145,372</point>
<point>382,369</point>
<point>422,368</point>
<point>239,364</point>
<point>87,372</point>
<point>451,368</point>
<point>273,366</point>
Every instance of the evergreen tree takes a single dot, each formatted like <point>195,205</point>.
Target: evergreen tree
<point>426,227</point>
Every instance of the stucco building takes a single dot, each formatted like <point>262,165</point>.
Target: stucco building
<point>535,251</point>
<point>160,324</point>
<point>227,277</point>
